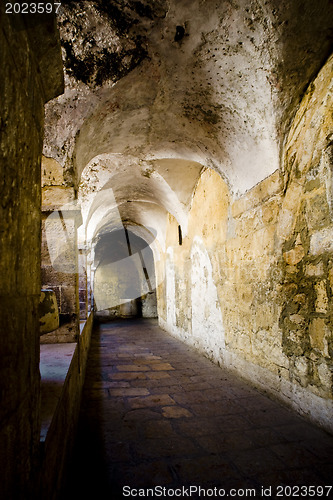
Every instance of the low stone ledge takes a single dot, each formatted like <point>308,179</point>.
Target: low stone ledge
<point>62,368</point>
<point>55,361</point>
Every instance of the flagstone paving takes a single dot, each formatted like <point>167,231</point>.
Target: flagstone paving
<point>155,413</point>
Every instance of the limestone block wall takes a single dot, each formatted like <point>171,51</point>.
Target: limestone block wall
<point>24,88</point>
<point>188,297</point>
<point>60,219</point>
<point>251,283</point>
<point>83,283</point>
<point>305,233</point>
<point>124,279</point>
<point>149,305</point>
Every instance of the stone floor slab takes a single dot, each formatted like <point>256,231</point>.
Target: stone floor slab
<point>156,413</point>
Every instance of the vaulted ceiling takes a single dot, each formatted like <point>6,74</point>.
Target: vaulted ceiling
<point>156,91</point>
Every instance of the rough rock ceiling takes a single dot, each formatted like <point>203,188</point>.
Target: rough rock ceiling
<point>105,40</point>
<point>182,83</point>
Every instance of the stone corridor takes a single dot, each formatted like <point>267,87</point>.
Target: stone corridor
<point>156,413</point>
<point>168,159</point>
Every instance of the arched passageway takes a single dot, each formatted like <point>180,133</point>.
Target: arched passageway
<point>124,282</point>
<point>249,282</point>
<point>213,149</point>
<point>203,128</point>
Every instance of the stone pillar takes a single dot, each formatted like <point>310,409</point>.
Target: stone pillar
<point>31,74</point>
<point>83,282</point>
<point>92,281</point>
<point>60,263</point>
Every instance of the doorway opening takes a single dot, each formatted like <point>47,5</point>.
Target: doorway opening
<point>124,282</point>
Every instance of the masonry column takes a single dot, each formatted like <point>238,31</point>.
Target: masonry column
<point>31,74</point>
<point>60,222</point>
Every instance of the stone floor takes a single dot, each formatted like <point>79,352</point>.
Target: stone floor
<point>157,414</point>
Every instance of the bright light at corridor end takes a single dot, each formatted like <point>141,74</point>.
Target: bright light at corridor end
<point>129,275</point>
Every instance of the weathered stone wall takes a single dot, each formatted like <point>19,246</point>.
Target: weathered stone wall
<point>149,305</point>
<point>83,283</point>
<point>124,279</point>
<point>305,231</point>
<point>188,297</point>
<point>21,134</point>
<point>121,290</point>
<point>251,283</point>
